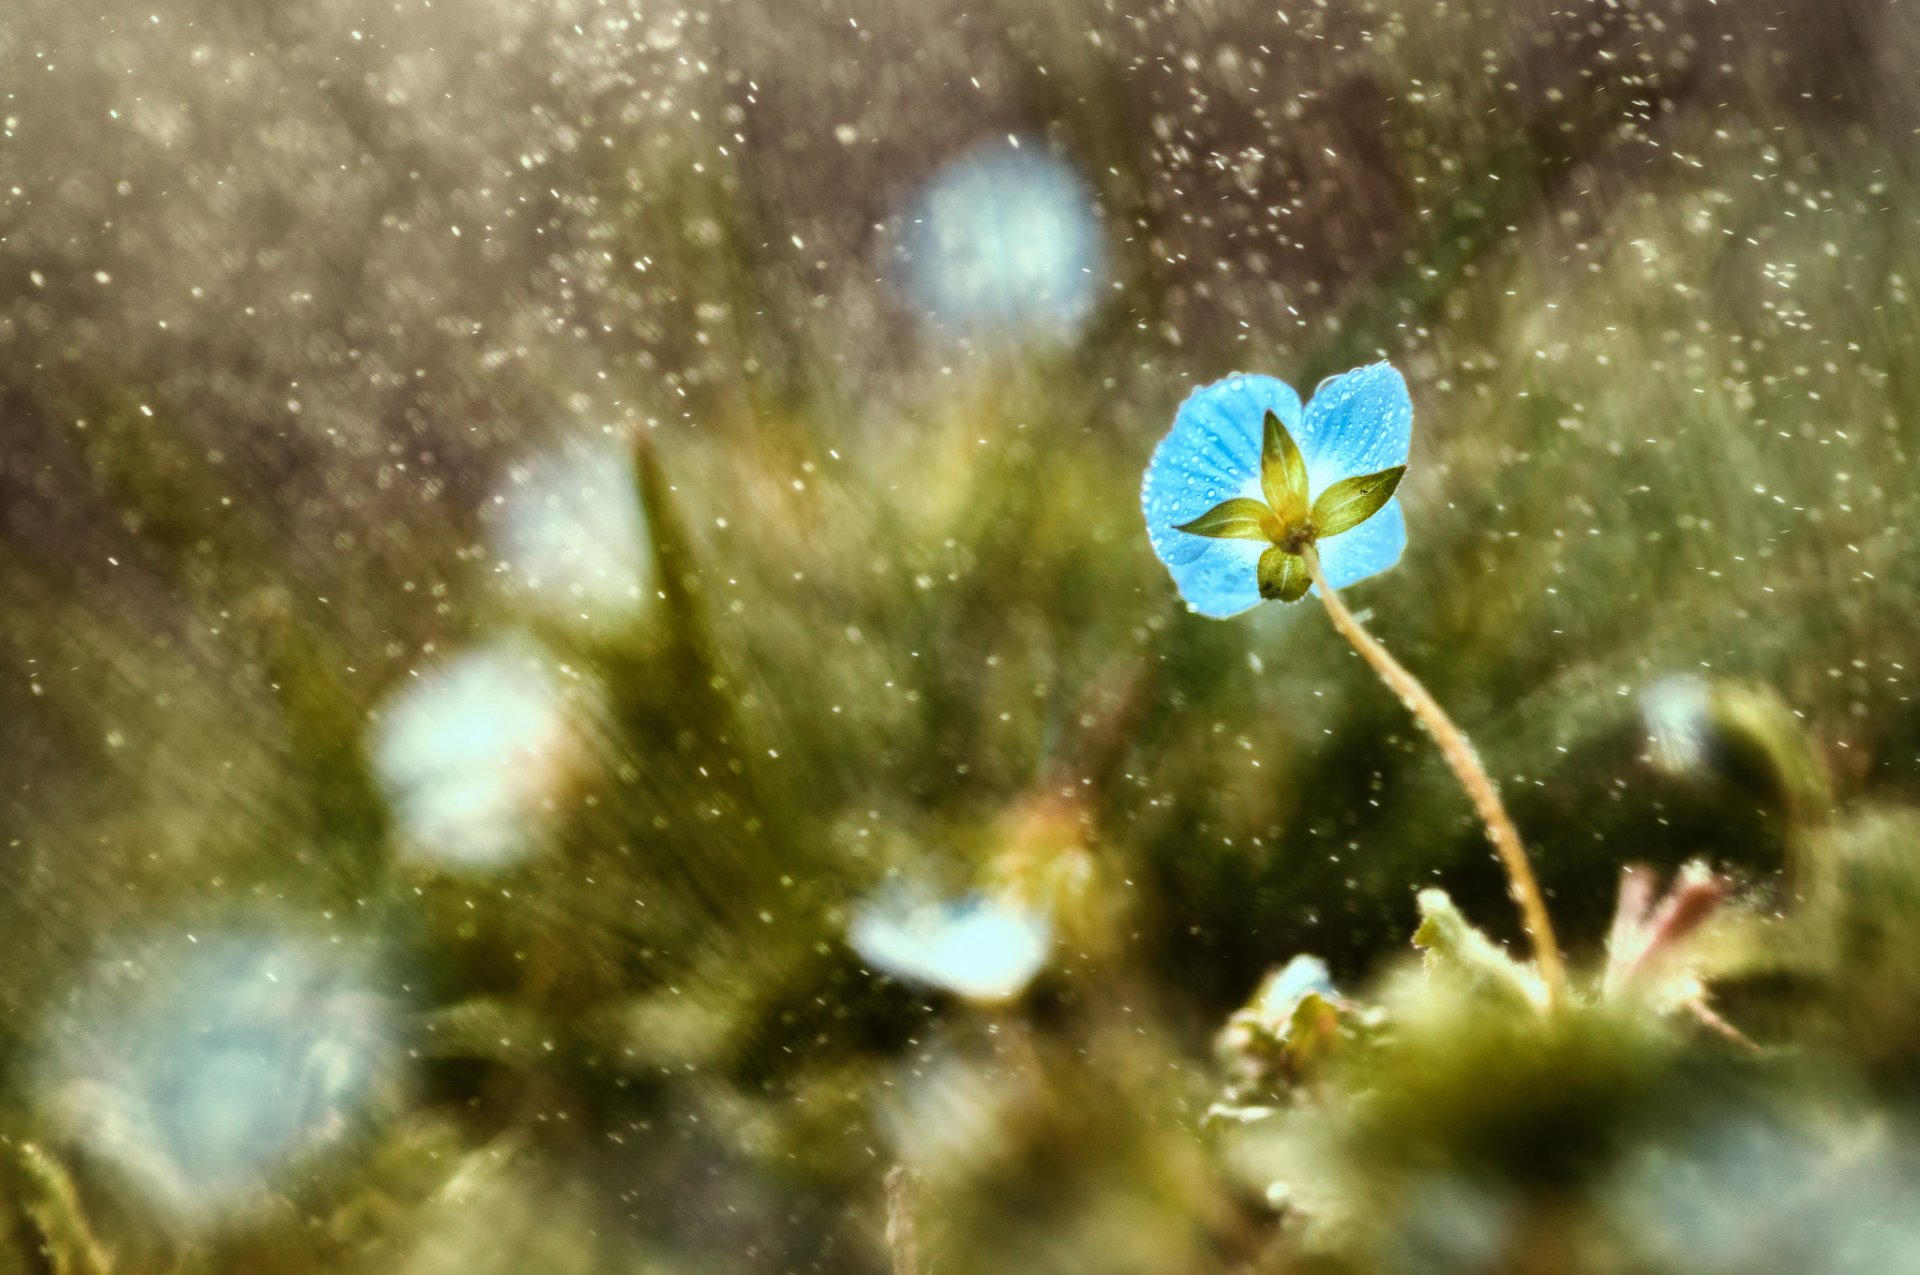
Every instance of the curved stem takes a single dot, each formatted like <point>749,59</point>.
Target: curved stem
<point>1458,751</point>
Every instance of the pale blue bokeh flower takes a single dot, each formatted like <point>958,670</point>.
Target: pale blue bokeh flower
<point>978,947</point>
<point>1357,423</point>
<point>1006,236</point>
<point>215,1070</point>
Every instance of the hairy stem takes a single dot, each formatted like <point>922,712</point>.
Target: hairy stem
<point>1458,750</point>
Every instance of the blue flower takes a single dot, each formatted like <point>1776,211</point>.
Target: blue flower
<point>1227,493</point>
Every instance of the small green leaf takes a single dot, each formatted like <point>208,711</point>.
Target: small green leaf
<point>1283,575</point>
<point>1352,501</point>
<point>1283,472</point>
<point>1241,518</point>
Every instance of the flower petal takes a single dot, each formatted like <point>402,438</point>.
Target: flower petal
<point>1211,455</point>
<point>1224,580</point>
<point>1367,550</point>
<point>1357,423</point>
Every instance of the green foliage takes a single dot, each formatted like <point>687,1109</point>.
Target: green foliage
<point>264,379</point>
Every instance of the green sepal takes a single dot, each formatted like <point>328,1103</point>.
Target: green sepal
<point>1352,501</point>
<point>1241,518</point>
<point>1283,472</point>
<point>1283,575</point>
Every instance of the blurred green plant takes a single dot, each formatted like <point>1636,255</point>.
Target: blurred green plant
<point>293,297</point>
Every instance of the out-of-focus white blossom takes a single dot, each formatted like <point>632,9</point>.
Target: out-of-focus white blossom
<point>1006,236</point>
<point>979,947</point>
<point>1675,710</point>
<point>573,537</point>
<point>473,753</point>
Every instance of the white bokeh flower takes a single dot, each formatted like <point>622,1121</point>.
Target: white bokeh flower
<point>472,754</point>
<point>1676,713</point>
<point>1006,236</point>
<point>572,536</point>
<point>978,947</point>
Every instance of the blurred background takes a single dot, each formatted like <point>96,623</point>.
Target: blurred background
<point>582,687</point>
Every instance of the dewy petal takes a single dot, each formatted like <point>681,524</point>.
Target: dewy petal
<point>1367,550</point>
<point>1357,423</point>
<point>1224,580</point>
<point>1211,455</point>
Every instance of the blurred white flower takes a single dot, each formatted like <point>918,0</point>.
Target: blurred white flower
<point>978,947</point>
<point>208,1073</point>
<point>1675,712</point>
<point>573,535</point>
<point>1006,235</point>
<point>472,753</point>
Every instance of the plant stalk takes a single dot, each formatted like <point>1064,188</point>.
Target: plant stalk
<point>1460,755</point>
